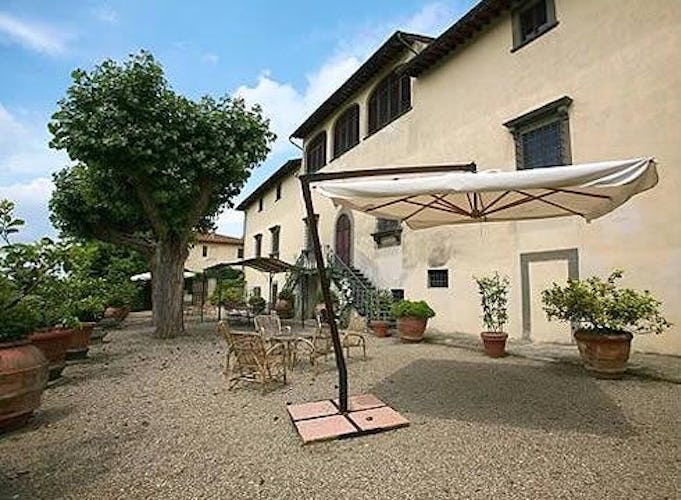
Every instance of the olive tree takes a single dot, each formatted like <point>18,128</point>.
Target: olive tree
<point>150,167</point>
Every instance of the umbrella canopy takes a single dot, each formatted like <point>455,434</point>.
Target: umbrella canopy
<point>424,200</point>
<point>147,276</point>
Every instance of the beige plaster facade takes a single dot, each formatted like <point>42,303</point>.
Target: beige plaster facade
<point>212,249</point>
<point>616,60</point>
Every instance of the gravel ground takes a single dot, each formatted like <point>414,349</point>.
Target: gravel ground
<point>144,418</point>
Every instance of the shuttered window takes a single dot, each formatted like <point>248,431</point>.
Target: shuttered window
<point>346,131</point>
<point>315,156</point>
<point>390,99</point>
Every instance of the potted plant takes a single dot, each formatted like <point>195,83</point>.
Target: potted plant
<point>257,304</point>
<point>284,304</point>
<point>604,317</point>
<point>412,317</point>
<point>494,302</point>
<point>381,303</point>
<point>23,367</point>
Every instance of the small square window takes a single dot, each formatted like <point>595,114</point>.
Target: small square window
<point>438,278</point>
<point>260,205</point>
<point>532,19</point>
<point>398,294</point>
<point>204,251</point>
<point>279,191</point>
<point>240,253</point>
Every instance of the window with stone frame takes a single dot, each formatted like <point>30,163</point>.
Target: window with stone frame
<point>388,233</point>
<point>438,278</point>
<point>346,131</point>
<point>258,245</point>
<point>275,232</point>
<point>531,19</point>
<point>315,153</point>
<point>390,99</point>
<point>542,136</point>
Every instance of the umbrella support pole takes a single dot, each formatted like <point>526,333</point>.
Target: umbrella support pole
<point>326,293</point>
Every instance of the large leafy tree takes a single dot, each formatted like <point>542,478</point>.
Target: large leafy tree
<point>151,167</point>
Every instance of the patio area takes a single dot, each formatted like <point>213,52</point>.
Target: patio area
<point>147,418</point>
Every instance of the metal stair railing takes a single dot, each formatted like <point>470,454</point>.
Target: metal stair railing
<point>361,294</point>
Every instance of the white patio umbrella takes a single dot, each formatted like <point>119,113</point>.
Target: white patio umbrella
<point>147,276</point>
<point>423,200</point>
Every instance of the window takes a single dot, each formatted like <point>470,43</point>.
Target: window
<point>532,19</point>
<point>315,155</point>
<point>260,205</point>
<point>256,291</point>
<point>278,197</point>
<point>390,99</point>
<point>258,244</point>
<point>204,251</point>
<point>388,233</point>
<point>346,131</point>
<point>240,253</point>
<point>542,136</point>
<point>438,278</point>
<point>398,294</point>
<point>275,241</point>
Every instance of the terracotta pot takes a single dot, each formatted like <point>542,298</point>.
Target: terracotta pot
<point>23,377</point>
<point>53,343</point>
<point>495,344</point>
<point>411,328</point>
<point>80,341</point>
<point>604,354</point>
<point>380,328</point>
<point>283,308</point>
<point>117,313</point>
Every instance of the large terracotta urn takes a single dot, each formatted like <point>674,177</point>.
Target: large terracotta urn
<point>494,343</point>
<point>80,341</point>
<point>604,354</point>
<point>53,343</point>
<point>23,377</point>
<point>411,328</point>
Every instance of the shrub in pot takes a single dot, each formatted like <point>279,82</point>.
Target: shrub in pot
<point>257,304</point>
<point>381,304</point>
<point>604,317</point>
<point>412,317</point>
<point>285,304</point>
<point>494,302</point>
<point>119,298</point>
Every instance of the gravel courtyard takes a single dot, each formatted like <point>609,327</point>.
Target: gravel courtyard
<point>144,418</point>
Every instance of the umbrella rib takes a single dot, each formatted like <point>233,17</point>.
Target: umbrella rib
<point>387,204</point>
<point>451,205</point>
<point>552,203</point>
<point>593,195</point>
<point>496,200</point>
<point>422,208</point>
<point>527,199</point>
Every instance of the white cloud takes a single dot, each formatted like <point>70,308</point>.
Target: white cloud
<point>33,36</point>
<point>287,106</point>
<point>31,200</point>
<point>105,14</point>
<point>24,150</point>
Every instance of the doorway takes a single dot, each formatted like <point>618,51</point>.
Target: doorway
<point>344,239</point>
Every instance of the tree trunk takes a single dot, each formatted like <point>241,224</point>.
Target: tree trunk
<point>167,290</point>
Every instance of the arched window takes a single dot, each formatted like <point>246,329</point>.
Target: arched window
<point>390,99</point>
<point>315,153</point>
<point>346,131</point>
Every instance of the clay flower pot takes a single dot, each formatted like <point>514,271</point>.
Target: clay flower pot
<point>117,313</point>
<point>53,343</point>
<point>494,343</point>
<point>283,308</point>
<point>23,377</point>
<point>411,328</point>
<point>380,328</point>
<point>604,354</point>
<point>80,341</point>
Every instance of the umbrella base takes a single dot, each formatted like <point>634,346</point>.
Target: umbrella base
<point>323,420</point>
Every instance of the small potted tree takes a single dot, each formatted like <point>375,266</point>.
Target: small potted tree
<point>284,304</point>
<point>412,317</point>
<point>381,303</point>
<point>257,304</point>
<point>604,316</point>
<point>494,302</point>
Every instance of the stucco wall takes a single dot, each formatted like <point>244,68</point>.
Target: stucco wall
<point>616,60</point>
<point>287,213</point>
<point>217,253</point>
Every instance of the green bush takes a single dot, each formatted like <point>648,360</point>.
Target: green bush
<point>602,306</point>
<point>417,309</point>
<point>18,315</point>
<point>257,304</point>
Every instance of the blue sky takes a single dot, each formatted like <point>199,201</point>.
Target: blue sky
<point>287,56</point>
